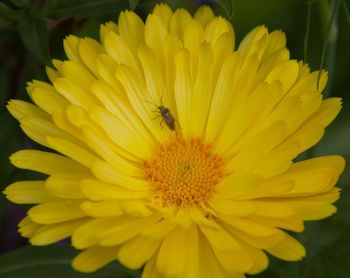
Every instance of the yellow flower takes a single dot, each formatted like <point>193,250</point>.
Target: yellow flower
<point>175,150</point>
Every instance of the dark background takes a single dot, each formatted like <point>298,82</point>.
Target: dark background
<point>31,33</point>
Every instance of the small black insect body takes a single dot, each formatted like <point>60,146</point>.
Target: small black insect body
<point>165,113</point>
<point>167,117</point>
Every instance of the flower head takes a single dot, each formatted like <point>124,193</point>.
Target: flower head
<point>175,150</point>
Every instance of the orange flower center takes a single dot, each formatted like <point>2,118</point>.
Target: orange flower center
<point>184,173</point>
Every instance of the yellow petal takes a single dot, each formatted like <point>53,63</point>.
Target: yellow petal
<point>270,189</point>
<point>222,97</point>
<point>268,64</point>
<point>87,235</point>
<point>77,73</point>
<point>27,227</point>
<point>193,37</point>
<point>104,208</point>
<point>101,144</point>
<point>97,191</point>
<point>179,21</point>
<point>60,119</point>
<point>55,232</point>
<point>52,74</point>
<point>150,269</point>
<point>75,94</point>
<point>174,243</point>
<point>65,186</point>
<point>105,67</point>
<point>289,111</point>
<point>105,172</point>
<point>153,76</point>
<point>257,241</point>
<point>221,240</point>
<point>293,223</point>
<point>202,90</point>
<point>68,148</point>
<point>244,122</point>
<point>200,218</point>
<point>223,47</point>
<point>117,104</point>
<point>37,129</point>
<point>134,253</point>
<point>131,141</point>
<point>131,28</point>
<point>28,192</point>
<point>192,254</point>
<point>164,12</point>
<point>234,262</point>
<point>107,27</point>
<point>137,208</point>
<point>135,88</point>
<point>237,185</point>
<point>155,33</point>
<point>158,230</point>
<point>45,162</point>
<point>21,109</point>
<point>208,264</point>
<point>125,231</point>
<point>89,50</point>
<point>248,226</point>
<point>289,249</point>
<point>286,73</point>
<point>183,90</point>
<point>216,27</point>
<point>49,100</point>
<point>204,15</point>
<point>232,207</point>
<point>313,175</point>
<point>328,110</point>
<point>277,41</point>
<point>55,212</point>
<point>31,86</point>
<point>249,43</point>
<point>263,143</point>
<point>260,259</point>
<point>118,49</point>
<point>172,44</point>
<point>70,45</point>
<point>94,258</point>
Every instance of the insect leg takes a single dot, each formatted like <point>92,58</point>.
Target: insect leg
<point>156,117</point>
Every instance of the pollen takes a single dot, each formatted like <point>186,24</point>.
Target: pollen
<point>185,173</point>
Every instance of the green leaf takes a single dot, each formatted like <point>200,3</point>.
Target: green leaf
<point>39,8</point>
<point>228,7</point>
<point>85,8</point>
<point>11,14</point>
<point>54,262</point>
<point>20,3</point>
<point>133,4</point>
<point>35,37</point>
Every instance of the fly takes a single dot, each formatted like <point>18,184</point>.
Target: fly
<point>167,117</point>
<point>165,114</point>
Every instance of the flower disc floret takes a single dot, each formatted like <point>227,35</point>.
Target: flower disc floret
<point>184,173</point>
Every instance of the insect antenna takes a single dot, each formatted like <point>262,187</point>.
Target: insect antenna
<point>151,102</point>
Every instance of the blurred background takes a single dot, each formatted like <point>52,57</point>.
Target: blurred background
<point>31,33</point>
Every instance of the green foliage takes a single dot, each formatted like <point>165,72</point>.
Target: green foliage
<point>228,6</point>
<point>35,37</point>
<point>85,8</point>
<point>133,4</point>
<point>54,262</point>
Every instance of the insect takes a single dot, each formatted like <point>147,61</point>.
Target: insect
<point>165,114</point>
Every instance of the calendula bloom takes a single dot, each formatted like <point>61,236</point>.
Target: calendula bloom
<point>173,149</point>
